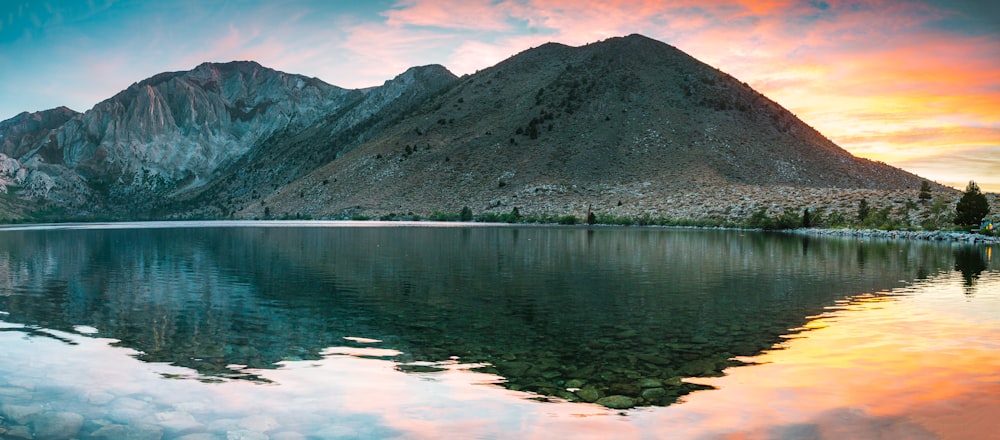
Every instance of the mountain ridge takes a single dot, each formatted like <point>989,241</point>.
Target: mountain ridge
<point>628,126</point>
<point>622,125</point>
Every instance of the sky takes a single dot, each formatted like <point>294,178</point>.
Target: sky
<point>912,83</point>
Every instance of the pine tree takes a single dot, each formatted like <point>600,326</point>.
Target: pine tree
<point>972,207</point>
<point>863,210</point>
<point>925,191</point>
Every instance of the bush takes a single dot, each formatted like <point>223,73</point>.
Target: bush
<point>466,214</point>
<point>568,220</point>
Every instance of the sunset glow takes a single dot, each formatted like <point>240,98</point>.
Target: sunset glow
<point>913,84</point>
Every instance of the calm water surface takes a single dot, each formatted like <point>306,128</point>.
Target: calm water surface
<point>360,330</point>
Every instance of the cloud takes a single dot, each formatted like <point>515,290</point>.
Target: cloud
<point>956,168</point>
<point>479,15</point>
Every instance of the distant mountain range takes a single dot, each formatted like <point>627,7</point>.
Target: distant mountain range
<point>628,125</point>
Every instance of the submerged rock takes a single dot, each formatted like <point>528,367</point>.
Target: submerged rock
<point>617,402</point>
<point>16,432</point>
<point>58,425</point>
<point>588,394</point>
<point>20,413</point>
<point>650,383</point>
<point>654,394</point>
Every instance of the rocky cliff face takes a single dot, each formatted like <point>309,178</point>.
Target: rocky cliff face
<point>174,130</point>
<point>20,137</point>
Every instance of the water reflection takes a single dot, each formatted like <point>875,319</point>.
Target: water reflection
<point>970,261</point>
<point>575,314</point>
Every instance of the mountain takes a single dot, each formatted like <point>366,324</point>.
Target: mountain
<point>165,138</point>
<point>629,125</point>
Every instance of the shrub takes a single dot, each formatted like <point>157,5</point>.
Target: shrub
<point>568,220</point>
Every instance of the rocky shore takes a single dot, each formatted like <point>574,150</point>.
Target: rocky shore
<point>876,234</point>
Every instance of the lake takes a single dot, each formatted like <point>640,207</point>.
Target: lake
<point>291,330</point>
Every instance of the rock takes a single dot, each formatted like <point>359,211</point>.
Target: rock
<point>624,388</point>
<point>617,402</point>
<point>575,383</point>
<point>653,394</point>
<point>198,436</point>
<point>128,411</point>
<point>15,392</point>
<point>18,431</point>
<point>99,398</point>
<point>566,395</point>
<point>588,394</point>
<point>258,423</point>
<point>650,383</point>
<point>20,414</point>
<point>109,432</point>
<point>551,374</point>
<point>178,422</point>
<point>244,434</point>
<point>57,425</point>
<point>699,367</point>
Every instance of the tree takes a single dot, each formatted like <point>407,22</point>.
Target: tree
<point>972,207</point>
<point>925,191</point>
<point>466,214</point>
<point>863,210</point>
<point>806,218</point>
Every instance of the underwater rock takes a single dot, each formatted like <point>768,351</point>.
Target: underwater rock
<point>588,394</point>
<point>699,367</point>
<point>178,422</point>
<point>617,402</point>
<point>57,425</point>
<point>624,388</point>
<point>653,394</point>
<point>20,413</point>
<point>18,432</point>
<point>650,383</point>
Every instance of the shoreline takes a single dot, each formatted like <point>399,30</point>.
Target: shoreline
<point>869,234</point>
<point>878,234</point>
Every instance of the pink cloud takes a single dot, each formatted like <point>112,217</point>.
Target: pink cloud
<point>480,15</point>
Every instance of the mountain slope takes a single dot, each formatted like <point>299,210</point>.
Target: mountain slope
<point>290,154</point>
<point>628,121</point>
<point>630,126</point>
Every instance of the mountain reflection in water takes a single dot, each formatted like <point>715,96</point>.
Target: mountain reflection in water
<point>565,313</point>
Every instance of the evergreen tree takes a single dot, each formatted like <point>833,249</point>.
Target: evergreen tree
<point>972,207</point>
<point>925,191</point>
<point>466,214</point>
<point>806,219</point>
<point>863,210</point>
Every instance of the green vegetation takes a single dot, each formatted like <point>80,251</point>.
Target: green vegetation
<point>465,214</point>
<point>972,208</point>
<point>925,191</point>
